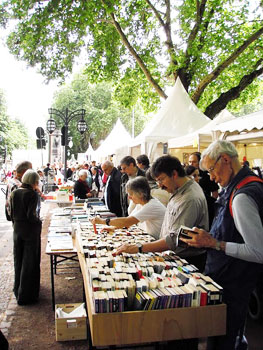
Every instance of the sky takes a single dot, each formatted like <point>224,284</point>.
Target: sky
<point>28,97</point>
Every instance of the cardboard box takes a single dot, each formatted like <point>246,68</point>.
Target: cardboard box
<point>71,328</point>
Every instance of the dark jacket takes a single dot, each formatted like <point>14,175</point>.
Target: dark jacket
<point>81,188</point>
<point>23,203</point>
<point>113,192</point>
<point>123,194</point>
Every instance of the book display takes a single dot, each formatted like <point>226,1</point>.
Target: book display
<point>147,281</point>
<point>144,297</point>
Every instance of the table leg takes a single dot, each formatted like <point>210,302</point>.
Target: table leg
<point>55,264</point>
<point>52,282</point>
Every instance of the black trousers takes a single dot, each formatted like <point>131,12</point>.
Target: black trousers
<point>27,268</point>
<point>3,342</point>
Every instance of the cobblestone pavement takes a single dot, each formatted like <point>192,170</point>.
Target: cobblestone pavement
<point>6,266</point>
<point>8,302</point>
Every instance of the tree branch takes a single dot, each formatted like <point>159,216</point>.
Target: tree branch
<point>218,70</point>
<point>218,105</point>
<point>166,27</point>
<point>134,54</point>
<point>185,73</point>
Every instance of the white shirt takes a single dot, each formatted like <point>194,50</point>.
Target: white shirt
<point>150,216</point>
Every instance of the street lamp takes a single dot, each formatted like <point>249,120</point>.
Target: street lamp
<point>66,117</point>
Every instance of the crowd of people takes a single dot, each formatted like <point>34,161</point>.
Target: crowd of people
<point>160,197</point>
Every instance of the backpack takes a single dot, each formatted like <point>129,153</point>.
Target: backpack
<point>242,183</point>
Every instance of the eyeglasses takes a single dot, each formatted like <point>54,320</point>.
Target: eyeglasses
<point>212,168</point>
<point>160,181</point>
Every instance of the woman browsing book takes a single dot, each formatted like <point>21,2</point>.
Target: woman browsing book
<point>148,212</point>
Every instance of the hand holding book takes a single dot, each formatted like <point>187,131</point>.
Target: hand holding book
<point>196,237</point>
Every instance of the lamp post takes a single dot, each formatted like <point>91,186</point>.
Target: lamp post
<point>66,117</point>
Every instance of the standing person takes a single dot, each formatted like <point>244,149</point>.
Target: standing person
<point>235,240</point>
<point>129,171</point>
<point>186,206</point>
<point>143,162</point>
<point>27,230</point>
<point>96,182</point>
<point>81,187</point>
<point>15,183</point>
<point>209,187</point>
<point>194,173</point>
<point>47,169</point>
<point>148,212</point>
<point>156,192</point>
<point>112,188</point>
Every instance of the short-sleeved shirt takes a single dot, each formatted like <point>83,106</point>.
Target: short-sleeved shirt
<point>150,216</point>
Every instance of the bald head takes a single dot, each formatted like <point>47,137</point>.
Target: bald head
<point>107,167</point>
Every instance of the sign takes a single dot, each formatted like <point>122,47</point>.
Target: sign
<point>40,132</point>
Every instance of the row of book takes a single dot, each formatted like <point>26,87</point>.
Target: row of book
<point>157,299</point>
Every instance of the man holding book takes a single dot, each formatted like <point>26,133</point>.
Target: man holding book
<point>187,206</point>
<point>235,241</point>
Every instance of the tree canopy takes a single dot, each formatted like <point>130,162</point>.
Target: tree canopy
<point>214,46</point>
<point>13,133</point>
<point>102,111</point>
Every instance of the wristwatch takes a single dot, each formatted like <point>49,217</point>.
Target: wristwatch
<point>107,221</point>
<point>218,245</point>
<point>139,245</point>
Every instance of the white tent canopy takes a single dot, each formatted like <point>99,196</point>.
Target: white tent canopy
<point>177,116</point>
<point>203,134</point>
<point>117,140</point>
<point>247,122</point>
<point>248,128</point>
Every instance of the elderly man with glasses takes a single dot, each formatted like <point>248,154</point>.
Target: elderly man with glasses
<point>235,241</point>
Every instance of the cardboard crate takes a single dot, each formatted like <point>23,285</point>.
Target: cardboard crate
<point>71,328</point>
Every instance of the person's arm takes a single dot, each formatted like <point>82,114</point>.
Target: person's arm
<point>118,222</point>
<point>156,246</point>
<point>249,225</point>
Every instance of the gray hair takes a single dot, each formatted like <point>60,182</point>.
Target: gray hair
<point>30,177</point>
<point>140,187</point>
<point>215,149</point>
<point>23,166</point>
<point>83,172</point>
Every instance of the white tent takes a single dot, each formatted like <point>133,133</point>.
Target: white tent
<point>247,122</point>
<point>247,134</point>
<point>116,143</point>
<point>89,154</point>
<point>178,116</point>
<point>203,134</point>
